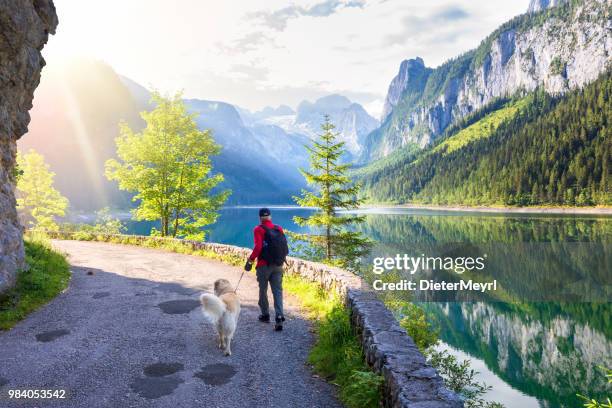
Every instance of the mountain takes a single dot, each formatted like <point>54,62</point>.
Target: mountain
<point>530,347</point>
<point>264,114</point>
<point>539,149</point>
<point>352,121</point>
<point>410,79</point>
<point>539,5</point>
<point>558,46</point>
<point>140,94</point>
<point>77,109</point>
<point>75,117</point>
<point>260,163</point>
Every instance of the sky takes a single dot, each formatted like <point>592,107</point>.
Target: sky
<point>266,53</point>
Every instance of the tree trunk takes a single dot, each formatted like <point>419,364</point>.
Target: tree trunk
<point>328,239</point>
<point>176,221</point>
<point>164,222</point>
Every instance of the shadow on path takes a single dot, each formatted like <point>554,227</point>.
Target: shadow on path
<point>131,333</point>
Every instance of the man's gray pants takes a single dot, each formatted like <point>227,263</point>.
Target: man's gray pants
<point>274,275</point>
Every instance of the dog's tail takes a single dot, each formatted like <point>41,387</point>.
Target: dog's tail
<point>212,306</point>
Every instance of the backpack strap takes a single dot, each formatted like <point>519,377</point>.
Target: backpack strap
<point>275,227</point>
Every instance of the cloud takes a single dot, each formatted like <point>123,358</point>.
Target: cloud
<point>323,9</point>
<point>250,72</point>
<point>278,19</point>
<point>247,43</point>
<point>451,13</point>
<point>414,25</point>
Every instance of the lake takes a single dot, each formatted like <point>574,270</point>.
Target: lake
<point>539,338</point>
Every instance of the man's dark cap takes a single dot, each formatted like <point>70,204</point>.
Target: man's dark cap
<point>264,212</point>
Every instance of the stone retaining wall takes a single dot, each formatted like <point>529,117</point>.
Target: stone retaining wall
<point>409,381</point>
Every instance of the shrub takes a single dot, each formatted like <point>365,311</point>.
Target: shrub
<point>418,327</point>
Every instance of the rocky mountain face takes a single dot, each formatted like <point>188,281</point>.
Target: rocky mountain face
<point>24,29</point>
<point>548,352</point>
<point>260,162</point>
<point>561,47</point>
<point>411,78</point>
<point>539,5</point>
<point>352,121</point>
<point>250,118</point>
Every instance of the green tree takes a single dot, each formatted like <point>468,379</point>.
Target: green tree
<point>542,150</point>
<point>107,224</point>
<point>335,241</point>
<point>592,402</point>
<point>168,166</point>
<point>38,202</point>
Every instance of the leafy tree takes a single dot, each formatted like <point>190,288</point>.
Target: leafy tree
<point>38,202</point>
<point>336,242</point>
<point>107,224</point>
<point>168,166</point>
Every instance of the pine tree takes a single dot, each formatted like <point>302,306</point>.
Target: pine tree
<point>333,238</point>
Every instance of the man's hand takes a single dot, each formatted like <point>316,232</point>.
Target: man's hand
<point>249,265</point>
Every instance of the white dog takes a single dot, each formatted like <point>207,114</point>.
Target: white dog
<point>222,309</point>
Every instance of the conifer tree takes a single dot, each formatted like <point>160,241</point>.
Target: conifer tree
<point>334,236</point>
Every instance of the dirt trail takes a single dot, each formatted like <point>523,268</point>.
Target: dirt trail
<point>129,333</point>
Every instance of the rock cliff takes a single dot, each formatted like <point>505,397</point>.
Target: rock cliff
<point>539,5</point>
<point>351,120</point>
<point>24,29</point>
<point>411,77</point>
<point>561,47</point>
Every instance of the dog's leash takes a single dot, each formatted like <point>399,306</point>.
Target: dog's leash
<point>240,280</point>
<point>238,284</point>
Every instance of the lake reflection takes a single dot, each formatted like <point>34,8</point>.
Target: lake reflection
<point>542,351</point>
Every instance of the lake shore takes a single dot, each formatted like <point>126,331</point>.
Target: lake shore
<point>486,209</point>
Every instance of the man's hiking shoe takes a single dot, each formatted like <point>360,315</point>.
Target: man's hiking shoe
<point>264,318</point>
<point>279,323</point>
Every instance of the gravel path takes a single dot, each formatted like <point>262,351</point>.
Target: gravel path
<point>129,333</point>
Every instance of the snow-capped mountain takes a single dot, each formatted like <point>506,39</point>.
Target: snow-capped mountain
<point>352,121</point>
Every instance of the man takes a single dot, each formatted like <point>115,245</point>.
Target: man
<point>270,251</point>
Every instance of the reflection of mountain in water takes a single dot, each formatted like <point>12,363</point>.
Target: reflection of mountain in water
<point>546,350</point>
<point>439,227</point>
<point>549,350</point>
<point>532,259</point>
<point>551,357</point>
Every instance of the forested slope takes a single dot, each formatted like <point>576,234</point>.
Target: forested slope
<point>533,150</point>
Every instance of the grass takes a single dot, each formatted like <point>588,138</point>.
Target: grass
<point>337,355</point>
<point>457,139</point>
<point>315,300</point>
<point>46,275</point>
<point>482,128</point>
